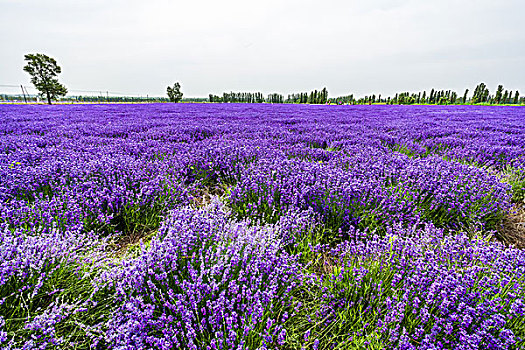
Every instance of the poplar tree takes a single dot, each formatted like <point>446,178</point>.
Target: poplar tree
<point>499,93</point>
<point>465,96</point>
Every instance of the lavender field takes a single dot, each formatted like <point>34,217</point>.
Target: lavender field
<point>236,226</point>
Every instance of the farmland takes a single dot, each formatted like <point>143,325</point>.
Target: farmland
<point>236,226</point>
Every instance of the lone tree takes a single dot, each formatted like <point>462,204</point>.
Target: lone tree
<point>174,93</point>
<point>44,70</point>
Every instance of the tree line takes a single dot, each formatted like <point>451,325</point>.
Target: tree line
<point>44,71</point>
<point>434,97</point>
<point>481,94</point>
<point>238,97</point>
<point>314,97</point>
<point>246,97</point>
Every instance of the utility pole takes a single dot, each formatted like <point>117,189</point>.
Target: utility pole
<point>27,92</point>
<point>23,93</point>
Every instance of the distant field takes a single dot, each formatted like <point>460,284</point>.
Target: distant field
<point>257,226</point>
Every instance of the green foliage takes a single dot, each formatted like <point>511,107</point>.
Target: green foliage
<point>437,97</point>
<point>43,70</point>
<point>64,302</point>
<point>516,179</point>
<point>499,94</point>
<point>174,93</point>
<point>243,97</point>
<point>130,221</point>
<point>315,97</point>
<point>481,93</point>
<point>275,98</point>
<point>465,96</point>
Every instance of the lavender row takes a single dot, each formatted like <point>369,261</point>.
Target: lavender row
<point>420,289</point>
<point>205,282</point>
<point>365,187</point>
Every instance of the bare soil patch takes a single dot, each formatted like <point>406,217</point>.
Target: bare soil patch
<point>512,230</point>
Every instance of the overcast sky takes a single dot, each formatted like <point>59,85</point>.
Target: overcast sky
<point>349,46</point>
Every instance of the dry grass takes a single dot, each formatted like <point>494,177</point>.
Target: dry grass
<point>512,230</point>
<point>122,244</point>
<point>202,196</point>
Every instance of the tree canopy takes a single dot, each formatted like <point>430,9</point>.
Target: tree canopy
<point>174,93</point>
<point>44,70</point>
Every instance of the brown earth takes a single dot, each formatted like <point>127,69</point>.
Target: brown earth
<point>512,230</point>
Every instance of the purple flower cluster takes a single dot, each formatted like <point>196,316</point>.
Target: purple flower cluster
<point>421,289</point>
<point>205,282</point>
<point>484,137</point>
<point>23,254</point>
<point>31,264</point>
<point>367,187</point>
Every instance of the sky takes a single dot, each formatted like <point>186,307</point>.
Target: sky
<point>349,46</point>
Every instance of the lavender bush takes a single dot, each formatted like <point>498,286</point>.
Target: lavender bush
<point>418,289</point>
<point>205,282</point>
<point>38,273</point>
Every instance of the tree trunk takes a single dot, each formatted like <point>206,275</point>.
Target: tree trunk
<point>48,97</point>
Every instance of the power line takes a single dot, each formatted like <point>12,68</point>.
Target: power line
<point>100,92</point>
<point>107,92</point>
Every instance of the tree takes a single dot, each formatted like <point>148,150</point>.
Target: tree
<point>516,97</point>
<point>44,70</point>
<point>499,94</point>
<point>324,95</point>
<point>505,97</point>
<point>465,96</point>
<point>481,93</point>
<point>174,93</point>
<point>485,96</point>
<point>310,98</point>
<point>453,97</point>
